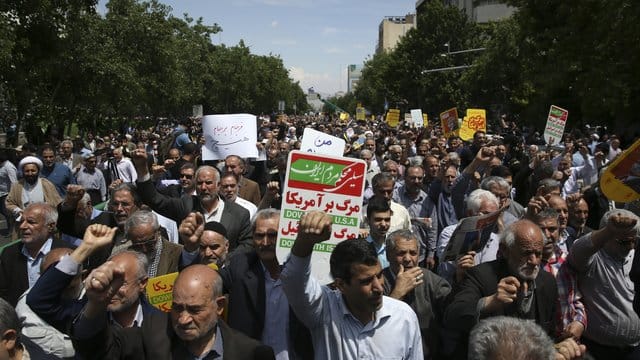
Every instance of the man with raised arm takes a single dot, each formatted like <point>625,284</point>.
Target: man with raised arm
<point>355,320</point>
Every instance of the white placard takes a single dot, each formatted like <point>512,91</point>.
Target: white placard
<point>315,141</point>
<point>416,116</point>
<point>334,185</point>
<point>232,134</point>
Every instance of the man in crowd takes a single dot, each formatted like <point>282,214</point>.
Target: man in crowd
<point>479,202</point>
<point>124,169</point>
<point>189,152</point>
<point>48,342</point>
<point>248,189</point>
<point>578,215</point>
<point>20,262</point>
<point>186,183</point>
<point>11,347</point>
<point>229,190</point>
<point>364,321</point>
<point>422,211</point>
<point>257,304</point>
<point>55,299</point>
<point>379,221</point>
<point>92,179</point>
<point>193,328</point>
<point>59,174</point>
<point>504,337</point>
<point>142,232</point>
<point>211,237</point>
<point>206,201</point>
<point>383,187</point>
<point>512,285</point>
<point>423,290</point>
<point>67,156</point>
<point>30,189</point>
<point>603,261</point>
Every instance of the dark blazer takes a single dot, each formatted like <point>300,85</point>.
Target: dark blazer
<point>155,340</point>
<point>44,299</point>
<point>235,218</point>
<point>428,301</point>
<point>244,281</point>
<point>69,224</point>
<point>482,280</point>
<point>14,279</point>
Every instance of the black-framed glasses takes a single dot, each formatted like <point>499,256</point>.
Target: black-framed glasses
<point>186,176</point>
<point>141,246</point>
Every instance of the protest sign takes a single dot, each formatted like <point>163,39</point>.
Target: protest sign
<point>556,122</point>
<point>416,117</point>
<point>234,134</point>
<point>425,120</point>
<point>159,290</point>
<point>331,184</point>
<point>344,117</point>
<point>393,117</point>
<point>360,113</point>
<point>449,121</point>
<point>472,233</point>
<point>621,181</point>
<point>475,120</point>
<point>315,141</point>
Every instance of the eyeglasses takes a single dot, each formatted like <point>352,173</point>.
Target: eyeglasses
<point>186,176</point>
<point>144,245</point>
<point>116,204</point>
<point>270,235</point>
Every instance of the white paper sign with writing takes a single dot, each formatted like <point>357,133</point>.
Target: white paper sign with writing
<point>331,184</point>
<point>416,116</point>
<point>315,141</point>
<point>232,134</point>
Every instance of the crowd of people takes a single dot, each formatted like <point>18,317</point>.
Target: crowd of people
<point>93,219</point>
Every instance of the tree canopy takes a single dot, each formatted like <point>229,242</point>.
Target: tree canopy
<point>575,54</point>
<point>61,63</point>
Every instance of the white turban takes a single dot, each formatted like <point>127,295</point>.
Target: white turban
<point>30,160</point>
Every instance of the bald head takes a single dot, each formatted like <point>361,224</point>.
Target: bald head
<point>199,277</point>
<point>197,304</point>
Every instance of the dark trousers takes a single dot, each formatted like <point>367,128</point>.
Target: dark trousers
<point>604,352</point>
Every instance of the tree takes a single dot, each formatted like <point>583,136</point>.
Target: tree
<point>401,77</point>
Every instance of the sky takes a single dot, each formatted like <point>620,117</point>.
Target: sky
<point>316,39</point>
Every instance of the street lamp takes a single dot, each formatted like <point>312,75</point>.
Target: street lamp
<point>449,52</point>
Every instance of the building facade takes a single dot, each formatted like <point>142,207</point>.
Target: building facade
<point>392,29</point>
<point>480,11</point>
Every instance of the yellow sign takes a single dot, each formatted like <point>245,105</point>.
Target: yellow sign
<point>344,116</point>
<point>425,120</point>
<point>475,120</point>
<point>449,121</point>
<point>393,117</point>
<point>621,181</point>
<point>160,290</point>
<point>360,113</point>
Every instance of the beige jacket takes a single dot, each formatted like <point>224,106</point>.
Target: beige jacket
<point>14,199</point>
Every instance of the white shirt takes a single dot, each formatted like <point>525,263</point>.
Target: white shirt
<point>251,208</point>
<point>215,214</point>
<point>336,333</point>
<point>126,170</point>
